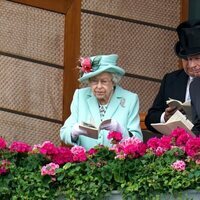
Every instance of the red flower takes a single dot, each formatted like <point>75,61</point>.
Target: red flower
<point>2,143</point>
<point>159,145</point>
<point>115,136</point>
<point>129,147</point>
<point>79,153</point>
<point>48,148</point>
<point>86,65</point>
<point>92,151</point>
<point>20,147</point>
<point>4,166</point>
<point>62,156</point>
<point>192,147</point>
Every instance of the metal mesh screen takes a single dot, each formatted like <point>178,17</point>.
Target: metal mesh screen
<point>146,90</point>
<point>142,33</point>
<point>163,12</point>
<point>140,52</point>
<point>31,78</point>
<point>31,32</point>
<point>31,88</point>
<point>33,131</point>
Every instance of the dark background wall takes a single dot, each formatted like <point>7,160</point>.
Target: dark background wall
<point>194,9</point>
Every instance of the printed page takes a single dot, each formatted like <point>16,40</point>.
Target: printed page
<point>177,116</point>
<point>167,128</point>
<point>175,121</point>
<point>93,131</point>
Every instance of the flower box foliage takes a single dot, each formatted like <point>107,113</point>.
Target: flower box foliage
<point>139,171</point>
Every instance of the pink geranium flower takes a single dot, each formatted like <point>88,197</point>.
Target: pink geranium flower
<point>48,148</point>
<point>49,169</point>
<point>4,166</point>
<point>192,148</point>
<point>62,156</point>
<point>92,151</point>
<point>179,165</point>
<point>79,153</point>
<point>2,143</point>
<point>115,136</point>
<point>20,147</point>
<point>129,147</point>
<point>160,145</point>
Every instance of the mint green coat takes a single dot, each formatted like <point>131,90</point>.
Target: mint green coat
<point>123,106</point>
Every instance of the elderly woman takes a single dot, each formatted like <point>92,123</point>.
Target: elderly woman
<point>103,99</point>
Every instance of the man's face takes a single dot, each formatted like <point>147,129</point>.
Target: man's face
<point>186,68</point>
<point>192,65</point>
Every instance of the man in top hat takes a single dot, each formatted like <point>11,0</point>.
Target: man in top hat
<point>174,85</point>
<point>188,46</point>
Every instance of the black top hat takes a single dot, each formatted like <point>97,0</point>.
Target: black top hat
<point>189,39</point>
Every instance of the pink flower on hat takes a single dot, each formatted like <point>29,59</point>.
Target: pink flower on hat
<point>86,64</point>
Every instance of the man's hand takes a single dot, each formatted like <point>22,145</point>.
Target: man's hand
<point>169,111</point>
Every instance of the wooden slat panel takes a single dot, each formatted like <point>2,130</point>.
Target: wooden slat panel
<point>60,6</point>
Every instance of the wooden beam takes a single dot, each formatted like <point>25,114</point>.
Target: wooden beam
<point>184,10</point>
<point>142,121</point>
<point>71,54</point>
<point>60,6</point>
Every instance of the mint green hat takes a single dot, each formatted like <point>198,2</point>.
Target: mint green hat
<point>92,66</point>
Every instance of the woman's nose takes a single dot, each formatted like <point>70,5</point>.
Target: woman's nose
<point>99,84</point>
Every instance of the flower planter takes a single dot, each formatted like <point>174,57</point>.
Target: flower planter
<point>113,195</point>
<point>184,195</point>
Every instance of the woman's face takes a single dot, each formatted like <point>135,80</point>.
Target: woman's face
<point>102,87</point>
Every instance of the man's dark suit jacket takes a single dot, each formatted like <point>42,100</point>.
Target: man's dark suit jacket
<point>195,99</point>
<point>173,86</point>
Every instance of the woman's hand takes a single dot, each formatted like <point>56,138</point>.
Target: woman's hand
<point>76,131</point>
<point>113,125</point>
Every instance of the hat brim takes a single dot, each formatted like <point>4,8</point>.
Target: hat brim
<point>109,68</point>
<point>180,53</point>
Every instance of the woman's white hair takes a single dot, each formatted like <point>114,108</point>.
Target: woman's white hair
<point>116,78</point>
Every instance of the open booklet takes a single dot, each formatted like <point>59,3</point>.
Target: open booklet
<point>92,130</point>
<point>177,120</point>
<point>185,106</point>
